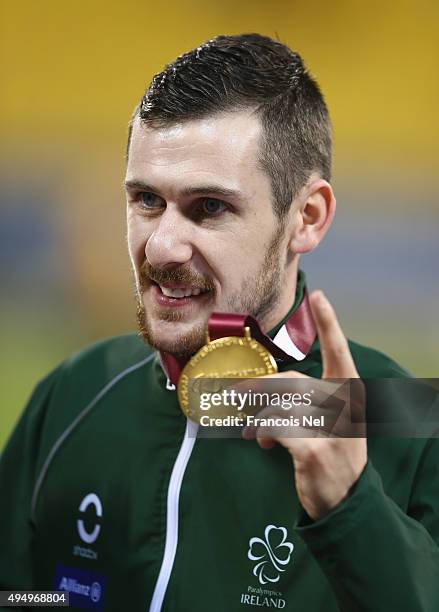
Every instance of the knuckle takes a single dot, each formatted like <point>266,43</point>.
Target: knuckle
<point>340,348</point>
<point>310,454</point>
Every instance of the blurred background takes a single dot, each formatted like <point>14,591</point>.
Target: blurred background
<point>72,73</point>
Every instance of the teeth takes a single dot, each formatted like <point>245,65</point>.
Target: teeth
<point>179,293</point>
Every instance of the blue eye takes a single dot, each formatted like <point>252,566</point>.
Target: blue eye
<point>212,206</point>
<point>150,200</point>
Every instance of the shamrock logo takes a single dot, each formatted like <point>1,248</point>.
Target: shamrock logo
<point>273,554</point>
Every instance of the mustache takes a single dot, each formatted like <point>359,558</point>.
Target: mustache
<point>148,273</point>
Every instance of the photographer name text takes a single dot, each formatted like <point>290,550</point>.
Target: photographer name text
<point>239,421</point>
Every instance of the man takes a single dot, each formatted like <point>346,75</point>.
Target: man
<point>106,491</point>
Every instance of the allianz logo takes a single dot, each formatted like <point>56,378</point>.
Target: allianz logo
<point>93,591</point>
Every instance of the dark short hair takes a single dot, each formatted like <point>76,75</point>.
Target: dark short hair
<point>250,71</point>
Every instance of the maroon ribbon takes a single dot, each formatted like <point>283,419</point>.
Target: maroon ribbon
<point>300,328</point>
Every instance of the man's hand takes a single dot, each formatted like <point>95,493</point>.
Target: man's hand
<point>325,467</point>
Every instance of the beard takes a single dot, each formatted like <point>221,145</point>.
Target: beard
<point>259,293</point>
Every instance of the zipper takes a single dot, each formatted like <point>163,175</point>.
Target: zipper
<point>171,541</point>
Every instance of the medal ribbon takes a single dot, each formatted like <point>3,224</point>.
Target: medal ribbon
<point>292,342</point>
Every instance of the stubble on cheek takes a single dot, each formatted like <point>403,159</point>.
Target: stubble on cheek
<point>260,291</point>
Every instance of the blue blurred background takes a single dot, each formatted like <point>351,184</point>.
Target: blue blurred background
<point>72,74</point>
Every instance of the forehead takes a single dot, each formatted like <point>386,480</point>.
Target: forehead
<point>222,147</point>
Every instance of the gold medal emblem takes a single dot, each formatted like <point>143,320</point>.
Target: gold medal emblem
<point>229,357</point>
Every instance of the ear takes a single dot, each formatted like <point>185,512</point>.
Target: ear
<point>312,213</point>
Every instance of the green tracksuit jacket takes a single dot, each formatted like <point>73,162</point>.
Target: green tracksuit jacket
<point>106,492</point>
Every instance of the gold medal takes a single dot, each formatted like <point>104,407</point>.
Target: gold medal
<point>229,357</point>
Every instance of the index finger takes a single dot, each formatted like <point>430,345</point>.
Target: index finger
<point>336,356</point>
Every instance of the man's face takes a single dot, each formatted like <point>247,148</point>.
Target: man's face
<point>202,233</point>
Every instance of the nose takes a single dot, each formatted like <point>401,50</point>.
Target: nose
<point>169,244</point>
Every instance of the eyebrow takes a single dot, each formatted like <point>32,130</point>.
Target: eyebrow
<point>188,191</point>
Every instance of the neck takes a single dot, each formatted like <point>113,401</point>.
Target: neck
<point>284,304</point>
